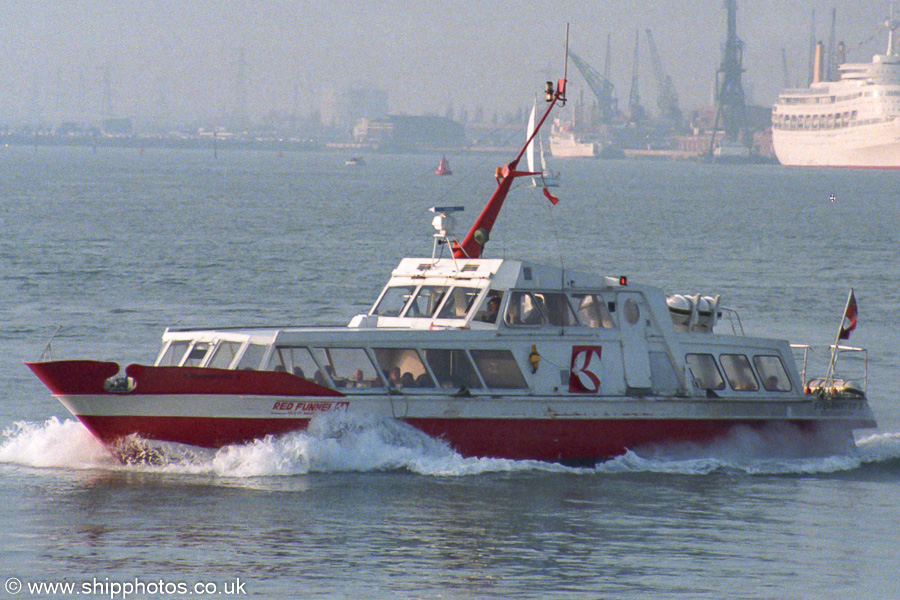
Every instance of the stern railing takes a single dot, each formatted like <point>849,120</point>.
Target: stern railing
<point>850,375</point>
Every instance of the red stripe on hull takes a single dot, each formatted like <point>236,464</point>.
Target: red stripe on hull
<point>72,377</point>
<point>519,439</point>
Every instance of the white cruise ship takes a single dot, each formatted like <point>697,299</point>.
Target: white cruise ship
<point>567,142</point>
<point>853,122</point>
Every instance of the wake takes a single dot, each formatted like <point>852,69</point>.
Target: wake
<point>344,442</point>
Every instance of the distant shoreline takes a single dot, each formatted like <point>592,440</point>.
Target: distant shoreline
<point>211,144</point>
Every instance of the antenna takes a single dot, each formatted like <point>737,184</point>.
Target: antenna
<point>561,86</point>
<point>47,354</point>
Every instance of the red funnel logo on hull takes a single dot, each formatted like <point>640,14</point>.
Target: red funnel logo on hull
<point>584,373</point>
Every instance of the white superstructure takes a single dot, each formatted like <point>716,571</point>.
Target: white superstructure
<point>853,122</point>
<point>568,142</point>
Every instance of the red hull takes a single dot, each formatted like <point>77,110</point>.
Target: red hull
<point>70,377</point>
<point>528,437</point>
<point>519,439</point>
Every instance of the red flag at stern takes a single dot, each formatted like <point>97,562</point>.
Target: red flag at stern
<point>849,323</point>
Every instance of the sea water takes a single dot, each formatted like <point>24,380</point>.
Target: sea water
<point>102,250</point>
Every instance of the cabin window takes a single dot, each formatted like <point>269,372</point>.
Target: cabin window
<point>346,367</point>
<point>593,311</point>
<point>452,368</point>
<point>490,309</point>
<point>393,300</point>
<point>426,302</point>
<point>196,355</point>
<point>403,368</point>
<point>705,371</point>
<point>739,372</point>
<point>252,357</point>
<point>458,302</point>
<point>498,368</point>
<point>771,371</point>
<point>662,375</point>
<point>523,309</point>
<point>557,308</point>
<point>295,360</point>
<point>173,354</point>
<point>224,355</point>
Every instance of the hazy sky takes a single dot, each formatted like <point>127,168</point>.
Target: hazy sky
<point>180,58</point>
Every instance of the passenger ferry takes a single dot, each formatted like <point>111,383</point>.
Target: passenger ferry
<point>853,122</point>
<point>498,357</point>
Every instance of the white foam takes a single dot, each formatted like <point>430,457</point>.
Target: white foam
<point>343,442</point>
<point>631,462</point>
<point>879,447</point>
<point>53,443</point>
<point>777,449</point>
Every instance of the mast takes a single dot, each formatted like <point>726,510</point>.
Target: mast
<point>479,234</point>
<point>529,152</point>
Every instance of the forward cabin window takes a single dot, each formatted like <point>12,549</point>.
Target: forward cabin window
<point>705,371</point>
<point>452,368</point>
<point>403,368</point>
<point>393,301</point>
<point>252,357</point>
<point>739,372</point>
<point>224,355</point>
<point>771,371</point>
<point>173,354</point>
<point>196,355</point>
<point>426,301</point>
<point>459,302</point>
<point>499,370</point>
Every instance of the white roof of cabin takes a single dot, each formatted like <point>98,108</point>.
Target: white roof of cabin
<point>500,274</point>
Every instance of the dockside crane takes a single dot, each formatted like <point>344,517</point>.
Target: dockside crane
<point>731,111</point>
<point>601,86</point>
<point>784,69</point>
<point>667,97</point>
<point>635,110</point>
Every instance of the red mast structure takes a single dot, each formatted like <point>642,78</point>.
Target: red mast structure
<point>479,234</point>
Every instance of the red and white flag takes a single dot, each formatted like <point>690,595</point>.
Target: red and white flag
<point>849,323</point>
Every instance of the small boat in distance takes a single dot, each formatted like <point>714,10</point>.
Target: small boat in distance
<point>355,161</point>
<point>443,167</point>
<point>497,357</point>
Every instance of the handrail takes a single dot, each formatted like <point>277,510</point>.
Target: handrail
<point>732,316</point>
<point>853,351</point>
